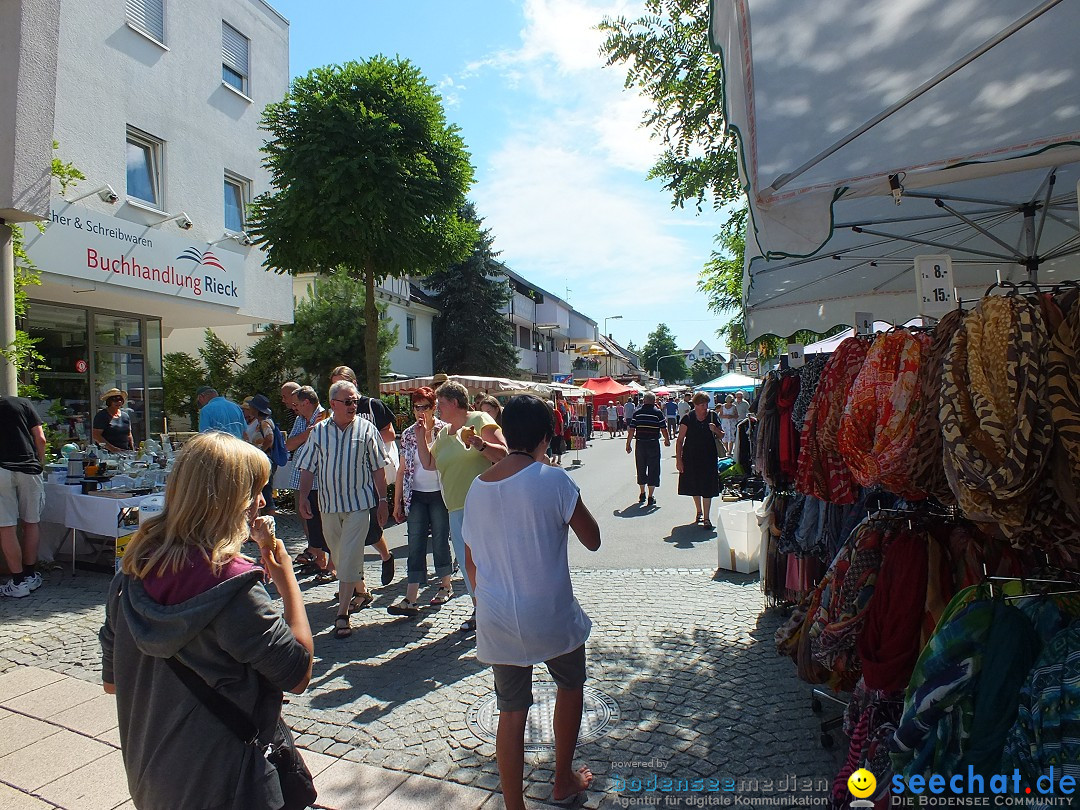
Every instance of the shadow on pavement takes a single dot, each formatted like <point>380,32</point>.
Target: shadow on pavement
<point>689,535</point>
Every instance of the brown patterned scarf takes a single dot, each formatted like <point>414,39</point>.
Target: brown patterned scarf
<point>995,423</point>
<point>927,472</point>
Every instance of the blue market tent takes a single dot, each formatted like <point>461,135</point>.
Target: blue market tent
<point>731,382</point>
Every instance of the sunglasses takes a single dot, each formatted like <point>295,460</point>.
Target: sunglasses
<point>422,406</point>
<point>348,403</point>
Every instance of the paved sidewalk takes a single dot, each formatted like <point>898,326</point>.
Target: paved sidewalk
<point>59,748</point>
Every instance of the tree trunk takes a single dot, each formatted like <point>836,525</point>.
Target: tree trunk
<point>371,335</point>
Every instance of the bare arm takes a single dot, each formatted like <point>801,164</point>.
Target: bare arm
<point>424,440</point>
<point>307,480</point>
<point>295,442</point>
<point>490,443</point>
<point>99,439</point>
<point>584,526</point>
<point>388,433</point>
<point>399,494</point>
<point>276,559</point>
<point>470,566</point>
<point>38,432</point>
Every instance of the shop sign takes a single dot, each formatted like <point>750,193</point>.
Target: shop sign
<point>81,243</point>
<point>81,367</point>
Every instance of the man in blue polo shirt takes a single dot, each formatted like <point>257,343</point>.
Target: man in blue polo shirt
<point>218,413</point>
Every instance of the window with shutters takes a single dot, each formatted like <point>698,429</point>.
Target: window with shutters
<point>234,58</point>
<point>147,17</point>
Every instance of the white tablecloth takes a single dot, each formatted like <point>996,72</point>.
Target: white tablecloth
<point>67,506</point>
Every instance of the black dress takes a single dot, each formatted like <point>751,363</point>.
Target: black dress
<point>699,457</point>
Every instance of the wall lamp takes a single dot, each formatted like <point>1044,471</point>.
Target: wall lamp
<point>240,238</point>
<point>105,192</point>
<point>183,221</point>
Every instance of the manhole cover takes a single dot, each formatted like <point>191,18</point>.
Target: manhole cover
<point>600,713</point>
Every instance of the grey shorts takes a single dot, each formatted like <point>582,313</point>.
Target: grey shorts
<point>22,497</point>
<point>513,684</point>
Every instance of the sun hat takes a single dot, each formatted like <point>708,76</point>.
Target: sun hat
<point>260,404</point>
<point>114,392</point>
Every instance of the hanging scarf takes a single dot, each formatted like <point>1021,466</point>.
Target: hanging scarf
<point>809,376</point>
<point>877,429</point>
<point>788,444</point>
<point>766,427</point>
<point>995,424</point>
<point>927,472</point>
<point>822,471</point>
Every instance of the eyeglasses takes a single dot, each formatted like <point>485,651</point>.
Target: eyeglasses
<point>348,402</point>
<point>421,406</point>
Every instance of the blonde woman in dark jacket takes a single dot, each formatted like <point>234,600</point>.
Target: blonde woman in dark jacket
<point>186,592</point>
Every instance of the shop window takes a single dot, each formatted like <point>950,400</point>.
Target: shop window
<point>144,168</point>
<point>236,198</point>
<point>147,17</point>
<point>117,330</point>
<point>410,331</point>
<point>234,58</point>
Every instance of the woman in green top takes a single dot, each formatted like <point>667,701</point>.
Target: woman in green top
<point>470,442</point>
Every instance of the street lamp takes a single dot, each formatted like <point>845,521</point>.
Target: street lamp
<point>610,318</point>
<point>665,357</point>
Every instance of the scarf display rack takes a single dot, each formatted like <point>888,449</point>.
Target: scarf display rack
<point>967,435</point>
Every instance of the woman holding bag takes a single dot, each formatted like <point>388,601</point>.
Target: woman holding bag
<point>187,606</point>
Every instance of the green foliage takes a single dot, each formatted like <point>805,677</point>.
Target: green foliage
<point>222,362</point>
<point>182,375</point>
<point>707,368</point>
<point>29,362</point>
<point>329,329</point>
<point>267,369</point>
<point>721,279</point>
<point>366,175</point>
<point>470,333</point>
<point>666,52</point>
<point>630,347</point>
<point>662,342</point>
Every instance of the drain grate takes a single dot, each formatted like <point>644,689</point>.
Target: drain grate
<point>600,713</point>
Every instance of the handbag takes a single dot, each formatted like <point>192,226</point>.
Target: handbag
<point>297,783</point>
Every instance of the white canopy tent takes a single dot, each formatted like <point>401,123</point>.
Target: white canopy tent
<point>965,110</point>
<point>730,382</point>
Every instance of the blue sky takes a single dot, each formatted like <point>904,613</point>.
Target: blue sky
<point>560,158</point>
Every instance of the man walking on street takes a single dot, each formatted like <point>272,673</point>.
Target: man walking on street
<point>648,426</point>
<point>22,492</point>
<point>346,455</point>
<point>742,405</point>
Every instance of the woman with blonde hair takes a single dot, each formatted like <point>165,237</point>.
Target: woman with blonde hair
<point>188,608</point>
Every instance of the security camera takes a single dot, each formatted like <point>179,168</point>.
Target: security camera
<point>245,240</point>
<point>185,223</point>
<point>182,220</point>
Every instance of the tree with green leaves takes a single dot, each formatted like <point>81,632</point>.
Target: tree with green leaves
<point>222,363</point>
<point>366,175</point>
<point>661,345</point>
<point>330,329</point>
<point>182,375</point>
<point>707,368</point>
<point>268,368</point>
<point>471,334</point>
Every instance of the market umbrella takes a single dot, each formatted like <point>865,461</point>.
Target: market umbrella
<point>859,99</point>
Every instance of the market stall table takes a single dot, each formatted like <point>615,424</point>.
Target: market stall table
<point>100,515</point>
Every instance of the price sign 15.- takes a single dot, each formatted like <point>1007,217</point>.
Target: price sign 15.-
<point>934,294</point>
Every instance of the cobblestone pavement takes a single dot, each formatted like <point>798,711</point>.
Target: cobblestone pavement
<point>687,655</point>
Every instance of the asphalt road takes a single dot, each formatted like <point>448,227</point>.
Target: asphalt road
<point>633,536</point>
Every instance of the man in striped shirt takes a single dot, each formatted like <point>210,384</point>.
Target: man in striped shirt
<point>648,425</point>
<point>346,456</point>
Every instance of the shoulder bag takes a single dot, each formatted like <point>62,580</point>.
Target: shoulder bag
<point>297,783</point>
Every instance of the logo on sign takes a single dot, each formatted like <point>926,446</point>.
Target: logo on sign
<point>81,366</point>
<point>202,258</point>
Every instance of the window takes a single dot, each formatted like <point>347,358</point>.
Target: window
<point>147,16</point>
<point>410,331</point>
<point>144,168</point>
<point>234,58</point>
<point>236,198</point>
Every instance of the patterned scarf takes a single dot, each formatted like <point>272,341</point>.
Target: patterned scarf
<point>809,376</point>
<point>927,472</point>
<point>878,426</point>
<point>995,424</point>
<point>822,471</point>
<point>788,445</point>
<point>1063,394</point>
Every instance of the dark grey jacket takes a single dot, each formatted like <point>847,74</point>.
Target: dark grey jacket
<point>177,755</point>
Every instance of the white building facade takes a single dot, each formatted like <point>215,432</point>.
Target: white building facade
<point>157,103</point>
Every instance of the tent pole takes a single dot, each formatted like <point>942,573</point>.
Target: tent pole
<point>935,244</point>
<point>971,56</point>
<point>1032,261</point>
<point>1045,211</point>
<point>977,227</point>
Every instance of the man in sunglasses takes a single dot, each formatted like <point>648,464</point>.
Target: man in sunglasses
<point>346,455</point>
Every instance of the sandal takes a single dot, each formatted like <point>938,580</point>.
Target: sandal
<point>469,625</point>
<point>697,518</point>
<point>341,626</point>
<point>441,597</point>
<point>324,577</point>
<point>360,601</point>
<point>404,608</point>
<point>303,558</point>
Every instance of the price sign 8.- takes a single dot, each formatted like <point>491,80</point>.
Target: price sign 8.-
<point>934,292</point>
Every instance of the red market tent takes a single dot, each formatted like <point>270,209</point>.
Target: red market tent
<point>606,390</point>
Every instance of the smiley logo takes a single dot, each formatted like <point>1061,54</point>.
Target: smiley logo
<point>862,783</point>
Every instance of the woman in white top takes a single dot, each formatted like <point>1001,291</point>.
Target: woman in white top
<point>517,516</point>
<point>729,420</point>
<point>418,497</point>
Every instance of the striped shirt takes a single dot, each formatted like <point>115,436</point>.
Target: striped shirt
<point>299,426</point>
<point>343,462</point>
<point>647,422</point>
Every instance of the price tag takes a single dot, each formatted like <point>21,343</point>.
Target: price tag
<point>864,323</point>
<point>934,290</point>
<point>796,356</point>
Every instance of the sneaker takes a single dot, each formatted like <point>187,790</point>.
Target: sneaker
<point>9,588</point>
<point>641,498</point>
<point>33,580</point>
<point>404,608</point>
